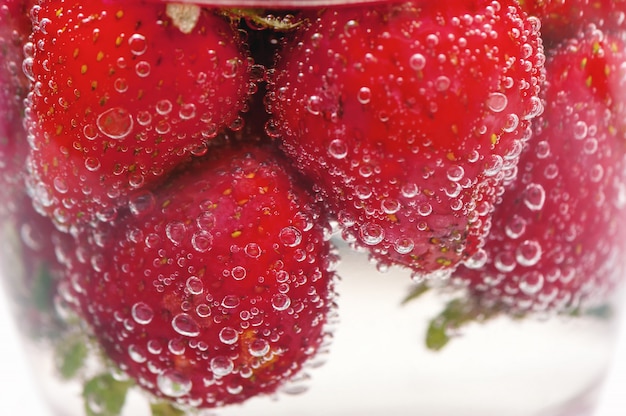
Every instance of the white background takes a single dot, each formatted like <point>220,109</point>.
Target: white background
<point>19,397</point>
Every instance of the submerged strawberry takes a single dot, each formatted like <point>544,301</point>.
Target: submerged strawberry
<point>218,286</point>
<point>406,116</point>
<point>122,93</point>
<point>562,19</point>
<point>558,236</point>
<point>15,28</point>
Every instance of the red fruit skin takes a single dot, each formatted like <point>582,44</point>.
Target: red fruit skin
<point>120,97</point>
<point>14,31</point>
<point>222,284</point>
<point>563,19</point>
<point>558,237</point>
<point>390,110</point>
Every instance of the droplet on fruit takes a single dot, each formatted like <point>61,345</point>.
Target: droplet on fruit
<point>222,366</point>
<point>338,149</point>
<point>528,253</point>
<point>280,301</point>
<point>228,335</point>
<point>534,196</point>
<point>173,383</point>
<point>142,313</point>
<point>371,234</point>
<point>136,354</point>
<point>531,283</point>
<point>259,348</point>
<point>176,232</point>
<point>194,285</point>
<point>115,123</point>
<point>185,325</point>
<point>497,102</point>
<point>137,43</point>
<point>290,236</point>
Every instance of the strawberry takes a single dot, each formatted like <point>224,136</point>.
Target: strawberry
<point>14,31</point>
<point>406,116</point>
<point>562,19</point>
<point>558,236</point>
<point>122,93</point>
<point>217,286</point>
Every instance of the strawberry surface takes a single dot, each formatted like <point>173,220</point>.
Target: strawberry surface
<point>122,93</point>
<point>15,28</point>
<point>558,237</point>
<point>562,19</point>
<point>406,116</point>
<point>218,286</point>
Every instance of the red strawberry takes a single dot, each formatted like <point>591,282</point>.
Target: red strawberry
<point>218,287</point>
<point>558,237</point>
<point>405,115</point>
<point>562,19</point>
<point>14,31</point>
<point>121,95</point>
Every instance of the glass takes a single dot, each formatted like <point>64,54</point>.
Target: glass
<point>464,161</point>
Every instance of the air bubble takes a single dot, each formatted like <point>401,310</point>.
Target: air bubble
<point>138,44</point>
<point>364,95</point>
<point>314,105</point>
<point>194,285</point>
<point>228,335</point>
<point>338,149</point>
<point>371,234</point>
<point>185,325</point>
<point>515,227</point>
<point>456,173</point>
<point>187,111</point>
<point>173,383</point>
<point>115,123</point>
<point>176,232</point>
<point>136,354</point>
<point>417,62</point>
<point>497,102</point>
<point>534,196</point>
<point>142,313</point>
<point>531,283</point>
<point>403,245</point>
<point>252,250</point>
<point>442,83</point>
<point>230,301</point>
<point>512,121</point>
<point>290,236</point>
<point>528,253</point>
<point>390,206</point>
<point>176,346</point>
<point>202,241</point>
<point>280,301</point>
<point>259,348</point>
<point>164,107</point>
<point>142,69</point>
<point>238,273</point>
<point>222,366</point>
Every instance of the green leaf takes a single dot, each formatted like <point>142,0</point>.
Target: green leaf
<point>163,408</point>
<point>415,293</point>
<point>70,355</point>
<point>457,313</point>
<point>104,395</point>
<point>42,289</point>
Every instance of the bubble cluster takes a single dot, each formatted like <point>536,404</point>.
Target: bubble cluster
<point>410,160</point>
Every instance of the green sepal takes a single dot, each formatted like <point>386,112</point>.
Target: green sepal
<point>71,354</point>
<point>456,314</point>
<point>415,293</point>
<point>104,395</point>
